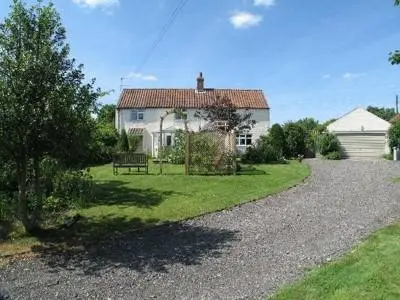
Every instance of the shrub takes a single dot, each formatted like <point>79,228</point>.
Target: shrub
<point>178,151</point>
<point>335,155</point>
<point>261,152</point>
<point>327,143</point>
<point>388,156</point>
<point>134,141</point>
<point>295,139</point>
<point>123,143</point>
<point>277,139</point>
<point>394,135</point>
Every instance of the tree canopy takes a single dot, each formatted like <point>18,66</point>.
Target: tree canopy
<point>394,57</point>
<point>106,114</point>
<point>45,105</point>
<point>382,112</point>
<point>223,110</point>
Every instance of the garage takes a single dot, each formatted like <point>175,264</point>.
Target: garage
<point>361,134</point>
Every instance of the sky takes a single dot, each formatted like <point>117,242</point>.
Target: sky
<point>311,58</point>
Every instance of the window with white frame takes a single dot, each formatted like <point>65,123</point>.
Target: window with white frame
<point>137,114</point>
<point>244,139</point>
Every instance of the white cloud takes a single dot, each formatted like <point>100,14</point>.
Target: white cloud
<point>97,3</point>
<point>326,76</point>
<point>350,76</point>
<point>243,19</point>
<point>141,76</point>
<point>266,3</point>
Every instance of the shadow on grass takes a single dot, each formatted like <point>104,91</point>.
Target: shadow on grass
<point>251,170</point>
<point>117,192</point>
<point>145,250</point>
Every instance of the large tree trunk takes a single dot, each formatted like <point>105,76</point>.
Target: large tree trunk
<point>22,197</point>
<point>35,218</point>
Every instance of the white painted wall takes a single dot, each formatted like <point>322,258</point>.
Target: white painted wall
<point>151,123</point>
<point>359,120</point>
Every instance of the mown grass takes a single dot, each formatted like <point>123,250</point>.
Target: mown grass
<point>150,199</point>
<point>131,201</point>
<point>370,271</point>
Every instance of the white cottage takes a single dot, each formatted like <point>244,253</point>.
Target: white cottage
<point>362,134</point>
<point>139,111</point>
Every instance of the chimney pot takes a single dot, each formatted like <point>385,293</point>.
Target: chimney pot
<point>200,82</point>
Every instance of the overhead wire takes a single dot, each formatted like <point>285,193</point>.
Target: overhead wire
<point>162,33</point>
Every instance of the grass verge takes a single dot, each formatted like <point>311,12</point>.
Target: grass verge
<point>370,271</point>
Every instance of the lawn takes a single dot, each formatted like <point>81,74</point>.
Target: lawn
<point>370,271</point>
<point>129,201</point>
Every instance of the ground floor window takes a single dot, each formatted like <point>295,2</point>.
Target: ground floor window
<point>243,139</point>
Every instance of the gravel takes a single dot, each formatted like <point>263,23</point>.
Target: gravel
<point>244,253</point>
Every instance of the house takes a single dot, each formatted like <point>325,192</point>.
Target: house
<point>362,134</point>
<point>139,110</point>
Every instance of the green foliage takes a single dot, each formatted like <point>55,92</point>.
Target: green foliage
<point>62,190</point>
<point>382,112</point>
<point>178,151</point>
<point>262,152</point>
<point>335,155</point>
<point>222,109</point>
<point>369,271</point>
<point>388,156</point>
<point>70,190</point>
<point>123,143</point>
<point>106,114</point>
<point>311,128</point>
<point>105,140</point>
<point>45,106</point>
<point>277,139</point>
<point>134,141</point>
<point>394,135</point>
<point>295,139</point>
<point>327,143</point>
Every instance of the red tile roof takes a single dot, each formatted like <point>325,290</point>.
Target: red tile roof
<point>189,98</point>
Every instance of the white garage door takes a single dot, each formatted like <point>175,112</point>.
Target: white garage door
<point>362,145</point>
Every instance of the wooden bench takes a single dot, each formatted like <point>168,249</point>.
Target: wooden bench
<point>130,160</point>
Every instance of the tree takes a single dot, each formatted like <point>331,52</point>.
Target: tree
<point>123,143</point>
<point>295,139</point>
<point>106,114</point>
<point>223,110</point>
<point>394,57</point>
<point>45,108</point>
<point>277,139</point>
<point>382,112</point>
<point>394,135</point>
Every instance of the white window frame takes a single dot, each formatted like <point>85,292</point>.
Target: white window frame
<point>137,115</point>
<point>246,137</point>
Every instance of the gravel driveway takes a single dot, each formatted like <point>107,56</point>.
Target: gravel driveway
<point>245,253</point>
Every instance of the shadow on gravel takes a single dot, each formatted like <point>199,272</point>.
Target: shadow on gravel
<point>147,250</point>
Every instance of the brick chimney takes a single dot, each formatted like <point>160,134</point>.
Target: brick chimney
<point>200,83</point>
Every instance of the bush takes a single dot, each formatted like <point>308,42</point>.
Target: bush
<point>277,140</point>
<point>177,155</point>
<point>335,155</point>
<point>134,141</point>
<point>394,135</point>
<point>327,143</point>
<point>261,152</point>
<point>295,139</point>
<point>123,143</point>
<point>388,156</point>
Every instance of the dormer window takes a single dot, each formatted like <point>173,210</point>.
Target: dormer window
<point>137,115</point>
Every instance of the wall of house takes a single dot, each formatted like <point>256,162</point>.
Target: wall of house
<point>151,124</point>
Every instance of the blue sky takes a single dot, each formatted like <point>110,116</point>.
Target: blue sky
<point>312,58</point>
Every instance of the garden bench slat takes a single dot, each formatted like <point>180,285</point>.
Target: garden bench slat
<point>130,160</point>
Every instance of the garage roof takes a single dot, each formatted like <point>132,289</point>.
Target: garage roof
<point>359,120</point>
